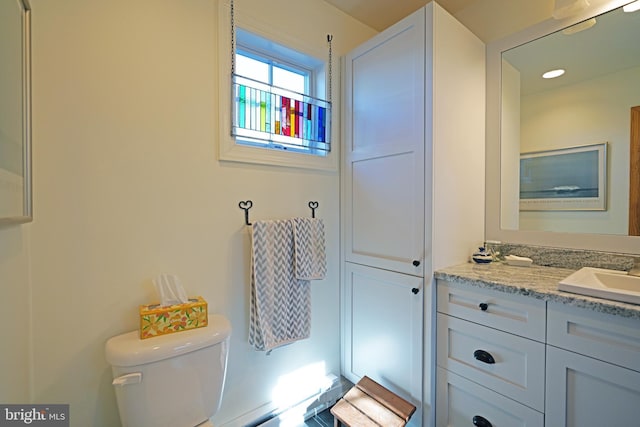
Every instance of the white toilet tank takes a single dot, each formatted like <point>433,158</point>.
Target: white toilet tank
<point>173,380</point>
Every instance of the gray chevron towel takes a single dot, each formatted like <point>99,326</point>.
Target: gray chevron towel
<point>280,310</point>
<point>308,247</point>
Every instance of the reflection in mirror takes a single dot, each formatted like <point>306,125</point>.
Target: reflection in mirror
<point>586,120</point>
<point>15,111</point>
<point>589,104</point>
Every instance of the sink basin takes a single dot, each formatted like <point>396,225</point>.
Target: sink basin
<point>602,283</point>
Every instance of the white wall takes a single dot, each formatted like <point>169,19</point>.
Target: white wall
<point>15,320</point>
<point>127,185</point>
<point>591,112</point>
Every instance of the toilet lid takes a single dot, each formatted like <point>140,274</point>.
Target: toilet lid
<point>207,423</point>
<point>129,350</point>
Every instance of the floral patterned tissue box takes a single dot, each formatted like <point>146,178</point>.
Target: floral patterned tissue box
<point>156,320</point>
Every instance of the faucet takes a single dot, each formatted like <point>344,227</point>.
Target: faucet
<point>635,270</point>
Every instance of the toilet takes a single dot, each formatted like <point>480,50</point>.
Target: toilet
<point>173,380</point>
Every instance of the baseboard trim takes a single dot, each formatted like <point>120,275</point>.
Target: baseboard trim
<point>268,415</point>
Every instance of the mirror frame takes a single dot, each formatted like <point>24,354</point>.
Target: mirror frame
<point>27,209</point>
<point>493,230</point>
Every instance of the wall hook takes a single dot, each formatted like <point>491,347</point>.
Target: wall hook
<point>246,206</point>
<point>313,206</point>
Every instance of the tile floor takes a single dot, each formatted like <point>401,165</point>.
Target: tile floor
<point>323,419</point>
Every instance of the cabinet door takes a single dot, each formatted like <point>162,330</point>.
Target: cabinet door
<point>384,149</point>
<point>382,330</point>
<point>585,392</point>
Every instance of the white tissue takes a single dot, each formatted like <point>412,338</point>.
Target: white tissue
<point>170,290</point>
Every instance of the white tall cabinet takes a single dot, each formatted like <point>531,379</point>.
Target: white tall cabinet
<point>412,192</point>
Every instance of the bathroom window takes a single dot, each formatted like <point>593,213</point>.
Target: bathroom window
<point>274,98</point>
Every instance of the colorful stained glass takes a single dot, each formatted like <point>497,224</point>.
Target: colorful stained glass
<point>278,116</point>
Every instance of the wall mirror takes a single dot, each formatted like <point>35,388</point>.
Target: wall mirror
<point>591,105</point>
<point>15,112</point>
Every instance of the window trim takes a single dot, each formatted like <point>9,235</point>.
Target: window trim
<point>259,56</point>
<point>228,150</point>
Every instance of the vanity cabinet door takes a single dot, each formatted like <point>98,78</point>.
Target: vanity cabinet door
<point>585,392</point>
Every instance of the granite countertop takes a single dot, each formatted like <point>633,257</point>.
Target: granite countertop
<point>534,281</point>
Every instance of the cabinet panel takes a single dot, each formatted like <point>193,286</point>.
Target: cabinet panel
<point>603,336</point>
<point>585,392</point>
<point>384,165</point>
<point>379,201</point>
<point>517,362</point>
<point>386,82</point>
<point>382,334</point>
<point>459,400</point>
<point>515,314</point>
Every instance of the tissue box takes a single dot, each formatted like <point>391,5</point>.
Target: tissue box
<point>156,320</point>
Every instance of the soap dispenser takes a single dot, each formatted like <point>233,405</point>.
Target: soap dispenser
<point>482,256</point>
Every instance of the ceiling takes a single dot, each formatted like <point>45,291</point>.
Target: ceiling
<point>611,45</point>
<point>488,19</point>
<point>601,50</point>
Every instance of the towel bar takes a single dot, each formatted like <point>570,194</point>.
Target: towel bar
<point>248,204</point>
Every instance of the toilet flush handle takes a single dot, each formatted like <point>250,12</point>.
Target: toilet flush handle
<point>132,378</point>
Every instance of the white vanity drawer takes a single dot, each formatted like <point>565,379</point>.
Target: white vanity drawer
<point>614,339</point>
<point>505,363</point>
<point>516,314</point>
<point>459,401</point>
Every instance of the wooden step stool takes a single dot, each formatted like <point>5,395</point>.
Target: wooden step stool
<point>368,404</point>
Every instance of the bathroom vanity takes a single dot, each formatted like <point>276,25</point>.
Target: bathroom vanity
<point>513,350</point>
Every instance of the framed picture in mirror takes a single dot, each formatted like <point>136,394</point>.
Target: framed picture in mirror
<point>571,179</point>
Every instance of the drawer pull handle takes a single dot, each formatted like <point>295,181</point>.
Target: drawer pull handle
<point>483,306</point>
<point>481,421</point>
<point>484,357</point>
<point>415,291</point>
<point>415,263</point>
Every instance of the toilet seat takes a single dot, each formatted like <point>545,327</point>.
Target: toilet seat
<point>207,423</point>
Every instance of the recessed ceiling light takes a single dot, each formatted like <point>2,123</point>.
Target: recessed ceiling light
<point>632,7</point>
<point>584,25</point>
<point>553,74</point>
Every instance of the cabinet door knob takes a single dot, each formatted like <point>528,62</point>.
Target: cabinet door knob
<point>483,306</point>
<point>415,291</point>
<point>481,421</point>
<point>415,263</point>
<point>484,357</point>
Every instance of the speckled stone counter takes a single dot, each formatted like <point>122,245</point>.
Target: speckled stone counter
<point>535,281</point>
